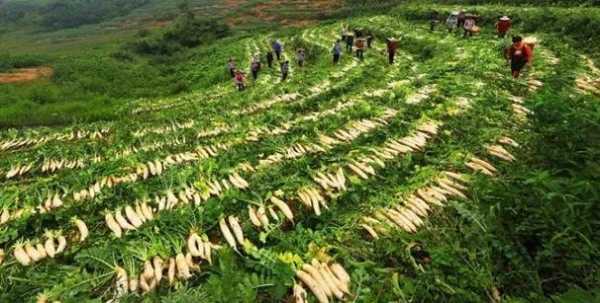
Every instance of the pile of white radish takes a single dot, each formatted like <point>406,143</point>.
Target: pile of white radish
<point>156,270</point>
<point>500,152</point>
<point>311,197</point>
<point>326,282</point>
<point>259,218</point>
<point>6,215</point>
<point>232,232</point>
<point>28,253</point>
<point>133,219</point>
<point>482,166</point>
<point>408,214</point>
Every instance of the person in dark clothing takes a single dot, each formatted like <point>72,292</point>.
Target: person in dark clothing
<point>231,67</point>
<point>270,59</point>
<point>337,52</point>
<point>434,20</point>
<point>255,67</point>
<point>519,55</point>
<point>392,46</point>
<point>370,39</point>
<point>285,69</point>
<point>461,19</point>
<point>300,57</point>
<point>277,48</point>
<point>349,43</point>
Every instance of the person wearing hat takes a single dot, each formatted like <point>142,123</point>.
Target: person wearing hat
<point>452,22</point>
<point>503,26</point>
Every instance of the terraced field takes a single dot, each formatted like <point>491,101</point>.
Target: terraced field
<point>362,181</point>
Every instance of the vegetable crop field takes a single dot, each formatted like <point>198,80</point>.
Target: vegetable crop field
<point>439,178</point>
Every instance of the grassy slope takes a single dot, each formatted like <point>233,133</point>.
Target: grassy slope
<point>527,234</point>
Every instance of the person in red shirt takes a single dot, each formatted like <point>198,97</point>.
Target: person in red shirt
<point>503,26</point>
<point>240,80</point>
<point>519,55</point>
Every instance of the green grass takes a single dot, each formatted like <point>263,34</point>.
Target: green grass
<point>526,234</point>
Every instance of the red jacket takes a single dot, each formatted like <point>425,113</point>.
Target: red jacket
<point>520,51</point>
<point>392,46</point>
<point>503,26</point>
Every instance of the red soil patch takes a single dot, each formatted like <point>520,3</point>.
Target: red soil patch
<point>26,74</point>
<point>271,11</point>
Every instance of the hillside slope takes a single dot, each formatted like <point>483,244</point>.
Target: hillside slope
<point>438,178</point>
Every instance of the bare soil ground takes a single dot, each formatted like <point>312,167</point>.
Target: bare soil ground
<point>26,74</point>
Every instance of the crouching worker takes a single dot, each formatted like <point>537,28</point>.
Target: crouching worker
<point>519,55</point>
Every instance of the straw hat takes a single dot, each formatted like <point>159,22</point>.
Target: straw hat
<point>504,18</point>
<point>455,13</point>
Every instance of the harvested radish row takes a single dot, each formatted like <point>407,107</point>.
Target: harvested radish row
<point>408,214</point>
<point>482,166</point>
<point>28,253</point>
<point>326,281</point>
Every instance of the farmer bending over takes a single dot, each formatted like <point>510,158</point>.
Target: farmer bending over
<point>239,80</point>
<point>503,26</point>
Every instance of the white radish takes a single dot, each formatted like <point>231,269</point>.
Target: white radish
<point>50,246</point>
<point>340,272</point>
<point>113,225</point>
<point>21,255</point>
<point>237,229</point>
<point>122,221</point>
<point>253,217</point>
<point>313,285</point>
<point>133,217</point>
<point>158,268</point>
<point>183,270</point>
<point>171,271</point>
<point>62,244</point>
<point>316,275</point>
<point>285,209</point>
<point>82,228</point>
<point>32,252</point>
<point>227,234</point>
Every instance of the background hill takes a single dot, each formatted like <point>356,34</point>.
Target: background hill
<point>125,147</point>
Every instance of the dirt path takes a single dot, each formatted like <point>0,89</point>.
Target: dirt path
<point>26,74</point>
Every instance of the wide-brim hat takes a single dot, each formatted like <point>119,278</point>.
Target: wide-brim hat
<point>455,13</point>
<point>504,18</point>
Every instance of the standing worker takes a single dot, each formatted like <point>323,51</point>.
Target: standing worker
<point>285,69</point>
<point>360,48</point>
<point>231,67</point>
<point>392,46</point>
<point>434,20</point>
<point>503,26</point>
<point>452,22</point>
<point>300,57</point>
<point>270,58</point>
<point>277,48</point>
<point>370,39</point>
<point>255,67</point>
<point>337,52</point>
<point>519,55</point>
<point>461,18</point>
<point>239,80</point>
<point>349,42</point>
